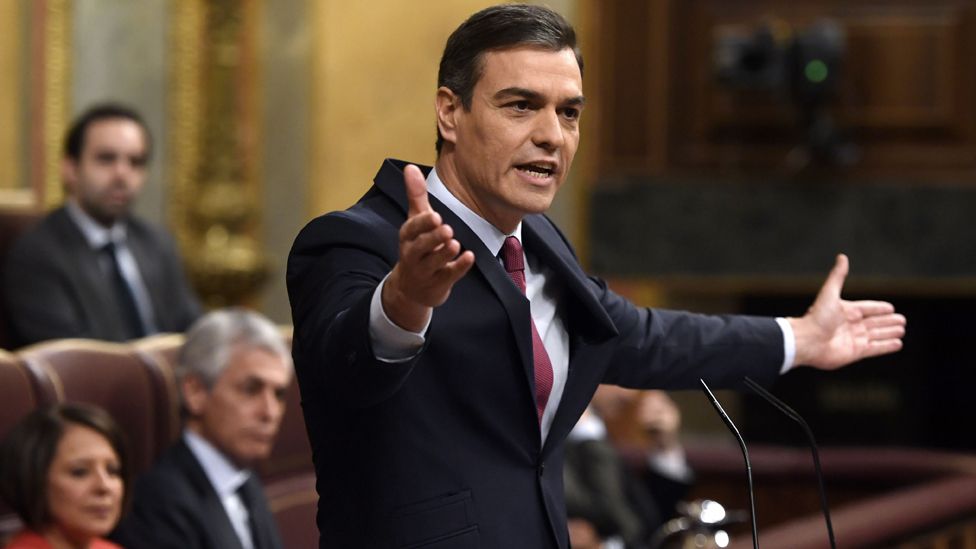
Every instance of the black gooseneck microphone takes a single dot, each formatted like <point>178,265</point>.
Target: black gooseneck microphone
<point>792,414</point>
<point>745,454</point>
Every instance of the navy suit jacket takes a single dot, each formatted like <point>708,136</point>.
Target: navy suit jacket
<point>444,450</point>
<point>54,288</point>
<point>174,506</point>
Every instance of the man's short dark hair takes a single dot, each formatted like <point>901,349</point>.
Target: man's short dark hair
<point>29,448</point>
<point>497,28</point>
<point>74,141</point>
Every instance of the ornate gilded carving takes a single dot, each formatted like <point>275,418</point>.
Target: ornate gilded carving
<point>57,74</point>
<point>213,118</point>
<point>10,101</point>
<point>35,70</point>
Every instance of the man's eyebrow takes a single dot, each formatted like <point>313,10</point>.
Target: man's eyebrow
<point>532,95</point>
<point>518,92</point>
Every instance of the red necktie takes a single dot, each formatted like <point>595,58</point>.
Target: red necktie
<point>514,263</point>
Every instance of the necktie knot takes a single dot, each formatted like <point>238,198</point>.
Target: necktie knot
<point>512,256</point>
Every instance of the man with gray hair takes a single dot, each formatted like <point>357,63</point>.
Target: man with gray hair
<point>233,371</point>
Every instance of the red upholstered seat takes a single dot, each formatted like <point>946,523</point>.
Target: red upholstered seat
<point>18,396</point>
<point>293,501</point>
<point>109,375</point>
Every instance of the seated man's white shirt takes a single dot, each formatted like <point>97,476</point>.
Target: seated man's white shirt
<point>226,479</point>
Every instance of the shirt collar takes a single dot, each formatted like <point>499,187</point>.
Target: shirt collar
<point>96,235</point>
<point>488,233</point>
<point>224,476</point>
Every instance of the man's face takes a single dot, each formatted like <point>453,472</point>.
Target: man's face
<point>512,150</point>
<point>110,170</point>
<point>241,413</point>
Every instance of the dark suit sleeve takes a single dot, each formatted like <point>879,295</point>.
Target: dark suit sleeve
<point>37,299</point>
<point>334,268</point>
<point>659,348</point>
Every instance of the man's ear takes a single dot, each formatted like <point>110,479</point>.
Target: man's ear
<point>448,106</point>
<point>195,394</point>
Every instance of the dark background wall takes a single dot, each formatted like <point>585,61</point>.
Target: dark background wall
<point>725,182</point>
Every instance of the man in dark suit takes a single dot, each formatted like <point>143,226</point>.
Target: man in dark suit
<point>441,366</point>
<point>233,372</point>
<point>606,499</point>
<point>90,268</point>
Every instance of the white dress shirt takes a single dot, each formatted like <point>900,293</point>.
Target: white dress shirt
<point>226,480</point>
<point>98,236</point>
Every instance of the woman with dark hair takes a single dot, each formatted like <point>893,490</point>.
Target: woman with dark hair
<point>63,470</point>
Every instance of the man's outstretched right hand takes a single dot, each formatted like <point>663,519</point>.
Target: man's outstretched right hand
<point>430,261</point>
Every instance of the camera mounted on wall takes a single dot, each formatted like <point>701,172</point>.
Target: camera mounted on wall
<point>802,66</point>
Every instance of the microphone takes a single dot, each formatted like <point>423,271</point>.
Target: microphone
<point>792,414</point>
<point>745,454</point>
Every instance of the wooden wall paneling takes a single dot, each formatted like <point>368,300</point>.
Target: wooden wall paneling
<point>906,96</point>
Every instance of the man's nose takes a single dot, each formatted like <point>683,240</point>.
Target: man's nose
<point>548,131</point>
<point>123,167</point>
<point>272,407</point>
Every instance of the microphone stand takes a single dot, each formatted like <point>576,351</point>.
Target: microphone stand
<point>792,414</point>
<point>745,454</point>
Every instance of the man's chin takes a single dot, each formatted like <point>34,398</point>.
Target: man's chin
<point>247,457</point>
<point>108,216</point>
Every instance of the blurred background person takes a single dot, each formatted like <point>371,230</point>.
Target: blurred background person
<point>63,469</point>
<point>233,372</point>
<point>609,503</point>
<point>90,268</point>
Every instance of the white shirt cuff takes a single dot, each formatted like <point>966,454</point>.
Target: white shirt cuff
<point>391,343</point>
<point>789,345</point>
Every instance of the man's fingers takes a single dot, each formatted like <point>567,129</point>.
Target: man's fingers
<point>883,347</point>
<point>420,224</point>
<point>886,332</point>
<point>884,320</point>
<point>873,308</point>
<point>417,248</point>
<point>416,187</point>
<point>835,280</point>
<point>460,266</point>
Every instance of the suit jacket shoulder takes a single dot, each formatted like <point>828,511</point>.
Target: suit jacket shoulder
<point>53,285</point>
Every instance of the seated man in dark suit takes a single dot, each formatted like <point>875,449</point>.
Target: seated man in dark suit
<point>90,268</point>
<point>619,507</point>
<point>233,372</point>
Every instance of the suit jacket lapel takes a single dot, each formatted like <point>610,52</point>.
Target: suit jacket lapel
<point>264,531</point>
<point>586,320</point>
<point>221,532</point>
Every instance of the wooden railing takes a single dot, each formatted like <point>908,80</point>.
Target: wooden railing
<point>886,498</point>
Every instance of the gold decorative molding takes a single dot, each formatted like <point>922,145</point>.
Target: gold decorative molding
<point>35,68</point>
<point>56,67</point>
<point>10,99</point>
<point>215,120</point>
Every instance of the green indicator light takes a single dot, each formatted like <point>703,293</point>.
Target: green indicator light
<point>816,71</point>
